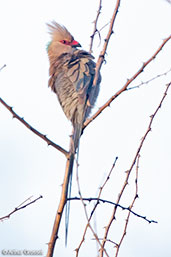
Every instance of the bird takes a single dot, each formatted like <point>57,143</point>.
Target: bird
<point>71,76</point>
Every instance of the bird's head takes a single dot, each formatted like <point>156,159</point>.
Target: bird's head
<point>62,40</point>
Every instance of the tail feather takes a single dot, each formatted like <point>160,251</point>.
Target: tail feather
<point>73,148</point>
<point>67,208</point>
<point>76,136</point>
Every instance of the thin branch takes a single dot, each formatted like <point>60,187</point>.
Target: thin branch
<point>129,81</point>
<point>95,206</point>
<point>86,214</point>
<point>95,26</point>
<point>131,206</point>
<point>108,240</point>
<point>21,206</point>
<point>104,26</point>
<point>26,124</point>
<point>112,203</point>
<point>103,52</point>
<point>150,80</point>
<point>132,165</point>
<point>3,67</point>
<point>108,177</point>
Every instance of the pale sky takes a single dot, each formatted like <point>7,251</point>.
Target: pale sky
<point>28,167</point>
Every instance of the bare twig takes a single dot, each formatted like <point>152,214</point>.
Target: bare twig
<point>95,206</point>
<point>89,199</point>
<point>131,168</point>
<point>104,26</point>
<point>44,137</point>
<point>129,81</point>
<point>131,206</point>
<point>3,67</point>
<point>107,240</point>
<point>103,52</point>
<point>95,26</point>
<point>86,214</point>
<point>108,177</point>
<point>21,206</point>
<point>150,80</point>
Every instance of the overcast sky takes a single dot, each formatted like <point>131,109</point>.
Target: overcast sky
<point>28,167</point>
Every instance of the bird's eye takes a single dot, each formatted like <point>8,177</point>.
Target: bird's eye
<point>64,42</point>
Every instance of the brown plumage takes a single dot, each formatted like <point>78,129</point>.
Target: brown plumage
<point>71,77</point>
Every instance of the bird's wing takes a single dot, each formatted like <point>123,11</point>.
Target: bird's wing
<point>81,71</point>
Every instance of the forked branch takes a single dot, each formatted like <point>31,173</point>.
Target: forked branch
<point>21,206</point>
<point>95,26</point>
<point>107,228</point>
<point>129,81</point>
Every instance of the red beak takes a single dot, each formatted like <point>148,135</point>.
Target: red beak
<point>74,43</point>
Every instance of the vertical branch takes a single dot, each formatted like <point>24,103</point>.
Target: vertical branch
<point>59,213</point>
<point>95,206</point>
<point>95,26</point>
<point>130,207</point>
<point>102,53</point>
<point>86,214</point>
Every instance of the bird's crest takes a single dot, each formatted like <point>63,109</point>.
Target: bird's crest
<point>59,32</point>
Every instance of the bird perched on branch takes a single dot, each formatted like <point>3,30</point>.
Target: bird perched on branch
<point>72,73</point>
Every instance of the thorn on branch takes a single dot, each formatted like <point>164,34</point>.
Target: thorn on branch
<point>102,56</point>
<point>92,36</point>
<point>112,203</point>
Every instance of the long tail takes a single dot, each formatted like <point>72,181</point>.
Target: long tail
<point>73,148</point>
